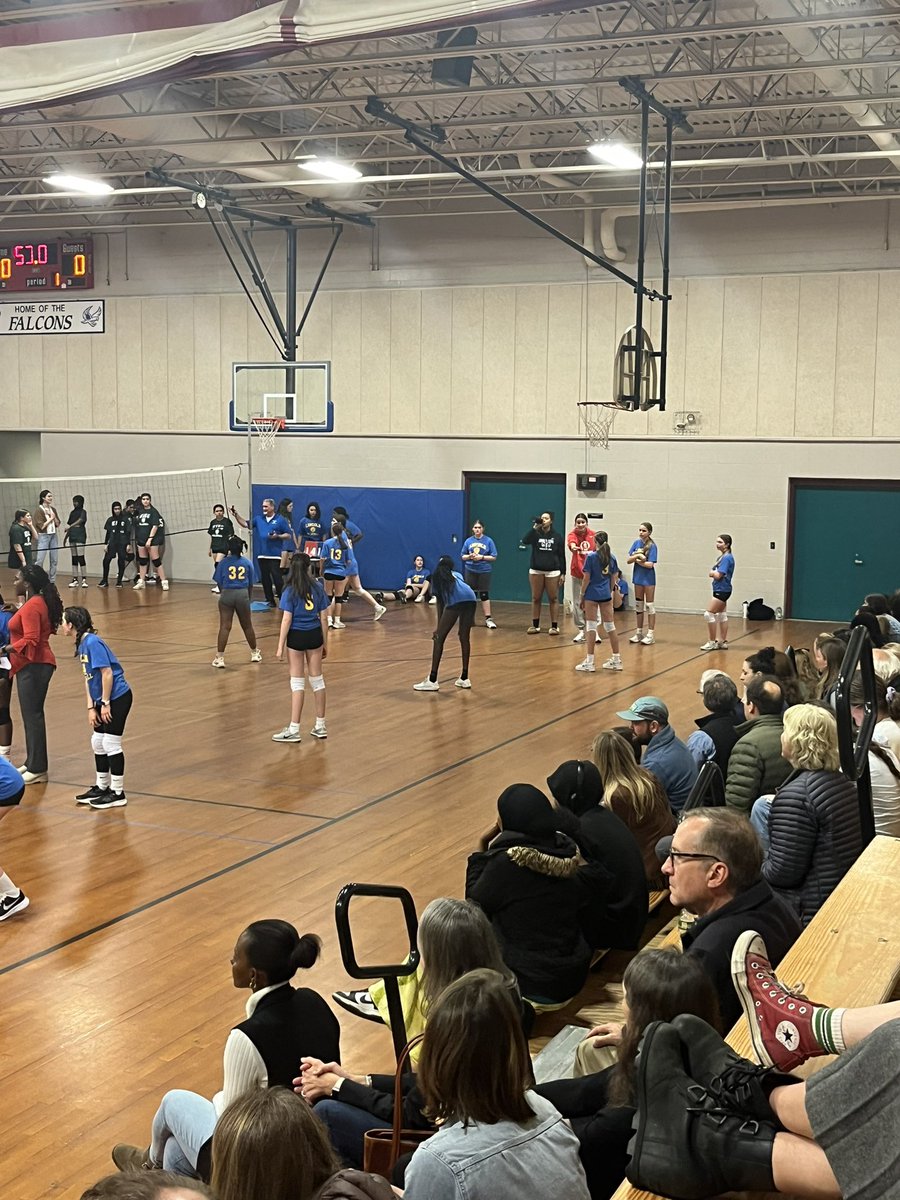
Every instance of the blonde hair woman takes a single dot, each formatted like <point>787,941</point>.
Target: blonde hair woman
<point>813,824</point>
<point>636,797</point>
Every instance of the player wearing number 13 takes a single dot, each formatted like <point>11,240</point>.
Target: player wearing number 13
<point>233,580</point>
<point>304,631</point>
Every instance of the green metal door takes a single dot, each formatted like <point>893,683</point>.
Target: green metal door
<point>845,544</point>
<point>507,505</point>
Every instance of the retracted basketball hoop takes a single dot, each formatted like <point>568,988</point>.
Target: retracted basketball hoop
<point>629,393</point>
<point>266,429</point>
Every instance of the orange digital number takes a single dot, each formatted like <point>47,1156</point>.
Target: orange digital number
<point>79,264</point>
<point>5,268</point>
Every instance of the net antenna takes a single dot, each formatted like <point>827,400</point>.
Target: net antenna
<point>265,429</point>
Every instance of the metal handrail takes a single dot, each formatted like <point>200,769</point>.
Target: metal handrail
<point>853,744</point>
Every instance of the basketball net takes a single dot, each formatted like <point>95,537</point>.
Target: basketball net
<point>597,418</point>
<point>266,430</point>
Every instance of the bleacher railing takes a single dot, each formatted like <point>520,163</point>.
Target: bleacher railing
<point>853,745</point>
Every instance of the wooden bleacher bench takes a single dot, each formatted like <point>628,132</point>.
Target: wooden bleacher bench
<point>849,954</point>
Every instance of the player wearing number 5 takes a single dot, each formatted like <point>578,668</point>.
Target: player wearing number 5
<point>233,578</point>
<point>304,632</point>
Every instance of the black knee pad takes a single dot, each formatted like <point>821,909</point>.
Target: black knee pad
<point>155,563</point>
<point>484,595</point>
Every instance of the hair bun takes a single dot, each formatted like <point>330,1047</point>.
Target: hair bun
<point>306,952</point>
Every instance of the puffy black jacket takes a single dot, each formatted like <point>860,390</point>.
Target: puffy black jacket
<point>814,838</point>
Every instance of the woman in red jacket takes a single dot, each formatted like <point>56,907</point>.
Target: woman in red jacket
<point>32,663</point>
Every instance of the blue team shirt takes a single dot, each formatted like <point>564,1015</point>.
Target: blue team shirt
<point>460,593</point>
<point>336,556</point>
<point>11,782</point>
<point>641,576</point>
<point>94,654</point>
<point>482,545</point>
<point>4,627</point>
<point>418,577</point>
<point>311,531</point>
<point>233,572</point>
<point>726,566</point>
<point>353,530</point>
<point>267,545</point>
<point>599,577</point>
<point>305,610</point>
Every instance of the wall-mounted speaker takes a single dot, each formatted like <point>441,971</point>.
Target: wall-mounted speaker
<point>591,483</point>
<point>454,72</point>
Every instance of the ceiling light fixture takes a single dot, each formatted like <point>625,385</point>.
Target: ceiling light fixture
<point>616,154</point>
<point>79,183</point>
<point>331,168</point>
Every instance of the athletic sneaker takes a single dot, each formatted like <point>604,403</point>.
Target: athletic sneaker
<point>34,776</point>
<point>433,600</point>
<point>426,686</point>
<point>360,1003</point>
<point>710,646</point>
<point>490,623</point>
<point>94,792</point>
<point>419,599</point>
<point>215,591</point>
<point>120,584</point>
<point>579,637</point>
<point>84,583</point>
<point>165,584</point>
<point>613,664</point>
<point>319,731</point>
<point>256,655</point>
<point>638,637</point>
<point>380,610</point>
<point>336,624</point>
<point>139,585</point>
<point>463,683</point>
<point>587,666</point>
<point>10,905</point>
<point>219,661</point>
<point>74,583</point>
<point>103,583</point>
<point>331,622</point>
<point>110,799</point>
<point>285,735</point>
<point>649,640</point>
<point>378,596</point>
<point>553,631</point>
<point>723,645</point>
<point>533,629</point>
<point>786,1027</point>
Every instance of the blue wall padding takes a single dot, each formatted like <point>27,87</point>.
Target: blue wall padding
<point>397,523</point>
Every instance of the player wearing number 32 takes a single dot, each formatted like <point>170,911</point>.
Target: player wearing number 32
<point>233,580</point>
<point>304,630</point>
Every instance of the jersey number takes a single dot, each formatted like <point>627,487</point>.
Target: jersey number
<point>237,572</point>
<point>336,555</point>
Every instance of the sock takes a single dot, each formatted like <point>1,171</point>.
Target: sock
<point>826,1029</point>
<point>320,722</point>
<point>294,727</point>
<point>7,887</point>
<point>536,623</point>
<point>103,779</point>
<point>464,674</point>
<point>432,677</point>
<point>589,658</point>
<point>617,658</point>
<point>554,625</point>
<point>118,783</point>
<point>5,751</point>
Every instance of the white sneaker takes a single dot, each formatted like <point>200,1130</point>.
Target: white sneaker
<point>74,583</point>
<point>613,664</point>
<point>710,646</point>
<point>380,610</point>
<point>433,600</point>
<point>218,661</point>
<point>490,623</point>
<point>84,583</point>
<point>722,645</point>
<point>285,735</point>
<point>215,591</point>
<point>553,631</point>
<point>336,624</point>
<point>319,731</point>
<point>426,686</point>
<point>418,599</point>
<point>533,629</point>
<point>638,637</point>
<point>139,586</point>
<point>331,622</point>
<point>587,666</point>
<point>165,584</point>
<point>256,655</point>
<point>463,683</point>
<point>579,637</point>
<point>649,640</point>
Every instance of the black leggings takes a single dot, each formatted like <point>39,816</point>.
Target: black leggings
<point>119,552</point>
<point>447,618</point>
<point>270,577</point>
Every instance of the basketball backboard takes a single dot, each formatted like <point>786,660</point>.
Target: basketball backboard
<point>298,392</point>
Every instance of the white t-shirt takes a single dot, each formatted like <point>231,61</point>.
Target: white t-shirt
<point>885,795</point>
<point>50,527</point>
<point>887,733</point>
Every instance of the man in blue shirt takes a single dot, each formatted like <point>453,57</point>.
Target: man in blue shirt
<point>271,534</point>
<point>666,755</point>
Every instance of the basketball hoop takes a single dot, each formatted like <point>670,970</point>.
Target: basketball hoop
<point>597,418</point>
<point>266,429</point>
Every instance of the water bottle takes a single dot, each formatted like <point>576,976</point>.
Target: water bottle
<point>745,608</point>
<point>779,614</point>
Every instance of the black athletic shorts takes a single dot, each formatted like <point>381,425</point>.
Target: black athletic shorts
<point>119,710</point>
<point>12,801</point>
<point>305,639</point>
<point>478,581</point>
<point>331,575</point>
<point>723,596</point>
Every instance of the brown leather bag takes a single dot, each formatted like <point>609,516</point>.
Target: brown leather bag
<point>382,1147</point>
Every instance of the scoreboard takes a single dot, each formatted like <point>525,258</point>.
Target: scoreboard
<point>48,265</point>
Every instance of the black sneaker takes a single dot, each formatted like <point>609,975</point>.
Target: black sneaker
<point>10,905</point>
<point>94,792</point>
<point>109,799</point>
<point>102,583</point>
<point>120,584</point>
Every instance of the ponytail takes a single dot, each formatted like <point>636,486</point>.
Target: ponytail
<point>80,620</point>
<point>301,580</point>
<point>603,551</point>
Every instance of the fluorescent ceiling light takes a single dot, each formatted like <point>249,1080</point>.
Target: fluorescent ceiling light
<point>617,154</point>
<point>331,168</point>
<point>78,183</point>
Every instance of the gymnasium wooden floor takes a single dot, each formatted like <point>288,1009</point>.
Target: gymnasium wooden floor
<point>116,982</point>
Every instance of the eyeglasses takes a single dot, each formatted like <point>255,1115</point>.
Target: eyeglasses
<point>676,855</point>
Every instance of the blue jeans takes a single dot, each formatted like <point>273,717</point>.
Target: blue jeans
<point>346,1125</point>
<point>45,542</point>
<point>759,819</point>
<point>184,1121</point>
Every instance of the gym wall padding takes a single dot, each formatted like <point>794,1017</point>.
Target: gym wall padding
<point>397,524</point>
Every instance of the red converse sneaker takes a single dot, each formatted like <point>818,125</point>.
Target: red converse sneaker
<point>783,1022</point>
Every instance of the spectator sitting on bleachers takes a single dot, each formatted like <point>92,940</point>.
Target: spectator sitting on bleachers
<point>717,733</point>
<point>814,834</point>
<point>884,766</point>
<point>497,1137</point>
<point>770,661</point>
<point>756,766</point>
<point>879,604</point>
<point>865,617</point>
<point>146,1185</point>
<point>714,870</point>
<point>534,888</point>
<point>828,654</point>
<point>616,918</point>
<point>886,662</point>
<point>635,796</point>
<point>665,755</point>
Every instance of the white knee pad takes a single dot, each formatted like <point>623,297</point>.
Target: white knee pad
<point>112,744</point>
<point>590,626</point>
<point>639,606</point>
<point>317,683</point>
<point>298,684</point>
<point>97,743</point>
<point>650,609</point>
<point>609,626</point>
<point>710,617</point>
<point>721,618</point>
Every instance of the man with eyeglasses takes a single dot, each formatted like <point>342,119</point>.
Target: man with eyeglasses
<point>713,868</point>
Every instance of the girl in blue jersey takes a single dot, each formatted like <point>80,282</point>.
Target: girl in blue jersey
<point>337,554</point>
<point>479,555</point>
<point>311,533</point>
<point>644,555</point>
<point>304,630</point>
<point>288,548</point>
<point>233,580</point>
<point>721,573</point>
<point>455,602</point>
<point>416,586</point>
<point>600,574</point>
<point>109,701</point>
